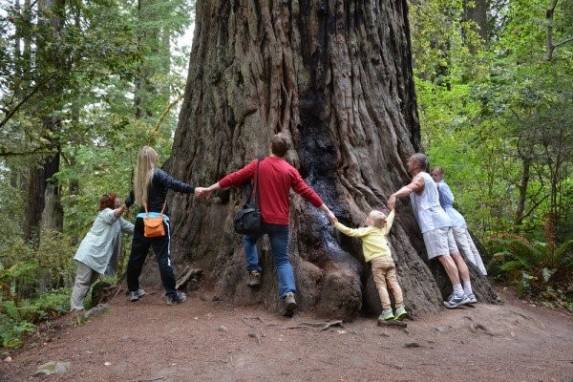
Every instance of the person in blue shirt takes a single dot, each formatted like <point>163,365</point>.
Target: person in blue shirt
<point>461,235</point>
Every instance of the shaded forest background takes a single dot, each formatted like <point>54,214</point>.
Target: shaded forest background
<point>83,85</point>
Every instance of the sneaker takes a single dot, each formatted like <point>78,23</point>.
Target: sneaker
<point>136,295</point>
<point>454,301</point>
<point>289,304</point>
<point>178,298</point>
<point>254,279</point>
<point>472,299</point>
<point>386,315</point>
<point>401,313</point>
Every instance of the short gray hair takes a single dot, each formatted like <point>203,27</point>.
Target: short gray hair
<point>422,160</point>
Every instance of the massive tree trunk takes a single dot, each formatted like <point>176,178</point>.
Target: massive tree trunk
<point>336,77</point>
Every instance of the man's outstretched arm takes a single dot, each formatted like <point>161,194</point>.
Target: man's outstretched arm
<point>416,185</point>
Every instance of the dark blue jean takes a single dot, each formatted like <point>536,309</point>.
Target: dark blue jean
<point>278,234</point>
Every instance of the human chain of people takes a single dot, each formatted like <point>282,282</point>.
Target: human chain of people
<point>443,228</point>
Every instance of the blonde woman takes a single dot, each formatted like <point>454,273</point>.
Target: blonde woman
<point>150,188</point>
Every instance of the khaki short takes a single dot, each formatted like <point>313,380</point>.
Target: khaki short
<point>440,242</point>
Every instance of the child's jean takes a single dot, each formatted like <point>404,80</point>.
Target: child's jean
<point>384,271</point>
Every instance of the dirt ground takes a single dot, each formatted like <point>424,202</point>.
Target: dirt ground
<point>211,341</point>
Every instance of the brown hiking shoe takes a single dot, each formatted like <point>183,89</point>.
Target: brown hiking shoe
<point>289,304</point>
<point>254,279</point>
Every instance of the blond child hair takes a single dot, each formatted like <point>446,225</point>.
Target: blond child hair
<point>378,218</point>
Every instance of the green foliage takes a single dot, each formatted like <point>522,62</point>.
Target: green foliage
<point>534,268</point>
<point>111,77</point>
<point>12,331</point>
<point>492,110</point>
<point>26,272</point>
<point>16,320</point>
<point>498,116</point>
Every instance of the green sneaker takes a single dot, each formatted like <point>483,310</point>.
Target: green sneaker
<point>386,315</point>
<point>401,313</point>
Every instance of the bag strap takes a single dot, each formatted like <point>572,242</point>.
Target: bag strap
<point>257,185</point>
<point>162,208</point>
<point>255,189</point>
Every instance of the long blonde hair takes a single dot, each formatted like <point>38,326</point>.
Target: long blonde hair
<point>146,160</point>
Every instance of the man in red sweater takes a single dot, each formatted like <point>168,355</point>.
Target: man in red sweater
<point>276,178</point>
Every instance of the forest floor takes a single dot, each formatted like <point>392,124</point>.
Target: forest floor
<point>212,341</point>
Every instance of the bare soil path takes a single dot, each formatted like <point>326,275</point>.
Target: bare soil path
<point>211,341</point>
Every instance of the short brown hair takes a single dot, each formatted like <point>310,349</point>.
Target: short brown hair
<point>107,201</point>
<point>279,145</point>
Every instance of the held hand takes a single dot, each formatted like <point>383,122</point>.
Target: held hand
<point>201,192</point>
<point>331,217</point>
<point>392,202</point>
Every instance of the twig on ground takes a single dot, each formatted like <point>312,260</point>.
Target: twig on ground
<point>147,380</point>
<point>330,324</point>
<point>247,323</point>
<point>399,367</point>
<point>256,336</point>
<point>187,275</point>
<point>255,318</point>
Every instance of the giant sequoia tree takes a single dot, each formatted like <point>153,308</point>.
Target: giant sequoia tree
<point>335,76</point>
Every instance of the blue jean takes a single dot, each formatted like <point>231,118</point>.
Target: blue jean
<point>278,234</point>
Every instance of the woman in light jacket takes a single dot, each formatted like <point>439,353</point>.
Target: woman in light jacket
<point>96,249</point>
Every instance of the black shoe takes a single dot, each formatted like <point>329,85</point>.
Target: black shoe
<point>254,279</point>
<point>178,298</point>
<point>289,304</point>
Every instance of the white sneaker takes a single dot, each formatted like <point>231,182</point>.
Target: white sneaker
<point>472,299</point>
<point>454,301</point>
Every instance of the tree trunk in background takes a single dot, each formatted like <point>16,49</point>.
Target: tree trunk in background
<point>336,77</point>
<point>522,189</point>
<point>42,185</point>
<point>156,59</point>
<point>476,11</point>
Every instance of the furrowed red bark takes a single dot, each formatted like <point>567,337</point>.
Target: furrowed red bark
<point>335,76</point>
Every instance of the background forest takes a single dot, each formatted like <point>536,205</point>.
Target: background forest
<point>84,84</point>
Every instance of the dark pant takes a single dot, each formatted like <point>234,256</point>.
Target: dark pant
<point>279,248</point>
<point>139,249</point>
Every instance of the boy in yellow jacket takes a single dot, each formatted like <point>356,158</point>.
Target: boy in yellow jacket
<point>377,252</point>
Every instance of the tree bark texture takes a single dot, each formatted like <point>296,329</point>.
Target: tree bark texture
<point>336,77</point>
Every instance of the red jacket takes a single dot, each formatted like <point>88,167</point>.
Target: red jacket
<point>276,177</point>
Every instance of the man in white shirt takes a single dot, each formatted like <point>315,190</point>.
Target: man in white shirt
<point>436,229</point>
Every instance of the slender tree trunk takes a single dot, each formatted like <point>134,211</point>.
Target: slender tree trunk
<point>149,40</point>
<point>522,188</point>
<point>476,11</point>
<point>42,184</point>
<point>336,76</point>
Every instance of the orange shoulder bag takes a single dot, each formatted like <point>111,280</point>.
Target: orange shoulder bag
<point>153,226</point>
